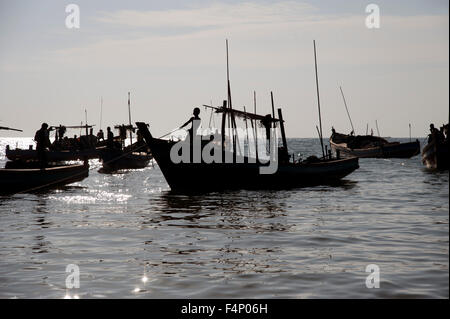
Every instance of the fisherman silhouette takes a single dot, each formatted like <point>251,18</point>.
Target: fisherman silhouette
<point>42,142</point>
<point>195,120</point>
<point>100,135</point>
<point>110,138</point>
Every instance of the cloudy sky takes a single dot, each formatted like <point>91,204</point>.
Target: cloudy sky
<point>171,56</point>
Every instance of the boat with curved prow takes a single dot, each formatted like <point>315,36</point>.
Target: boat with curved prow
<point>368,146</point>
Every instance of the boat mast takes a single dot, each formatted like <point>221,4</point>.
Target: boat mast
<point>85,115</point>
<point>376,124</point>
<point>129,119</point>
<point>318,98</point>
<point>346,108</point>
<point>233,120</point>
<point>101,111</point>
<point>256,126</point>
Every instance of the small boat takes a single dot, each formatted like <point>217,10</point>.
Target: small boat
<point>117,157</point>
<point>435,155</point>
<point>15,180</point>
<point>51,155</point>
<point>62,149</point>
<point>368,146</point>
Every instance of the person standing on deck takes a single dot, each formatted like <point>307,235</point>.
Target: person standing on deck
<point>109,138</point>
<point>195,120</point>
<point>42,143</point>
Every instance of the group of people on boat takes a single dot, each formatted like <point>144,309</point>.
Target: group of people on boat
<point>439,136</point>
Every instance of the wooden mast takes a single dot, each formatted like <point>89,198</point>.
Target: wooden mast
<point>348,114</point>
<point>283,134</point>
<point>230,105</point>
<point>318,98</point>
<point>256,126</point>
<point>129,120</point>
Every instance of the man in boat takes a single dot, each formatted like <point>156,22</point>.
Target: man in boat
<point>42,143</point>
<point>195,120</point>
<point>434,134</point>
<point>109,138</point>
<point>100,135</point>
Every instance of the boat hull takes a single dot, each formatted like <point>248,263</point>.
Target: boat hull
<point>390,150</point>
<point>436,156</point>
<point>51,156</point>
<point>34,180</point>
<point>114,160</point>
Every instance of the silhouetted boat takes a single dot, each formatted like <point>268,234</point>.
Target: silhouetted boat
<point>369,146</point>
<point>117,159</point>
<point>233,170</point>
<point>52,156</point>
<point>14,180</point>
<point>67,149</point>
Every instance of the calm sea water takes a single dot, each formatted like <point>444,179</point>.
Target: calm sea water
<point>312,242</point>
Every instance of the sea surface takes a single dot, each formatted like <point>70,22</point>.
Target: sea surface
<point>132,238</point>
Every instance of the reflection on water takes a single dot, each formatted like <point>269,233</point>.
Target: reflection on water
<point>132,237</point>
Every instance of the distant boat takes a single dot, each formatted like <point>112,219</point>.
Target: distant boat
<point>435,155</point>
<point>67,149</point>
<point>368,146</point>
<point>51,155</point>
<point>14,180</point>
<point>117,159</point>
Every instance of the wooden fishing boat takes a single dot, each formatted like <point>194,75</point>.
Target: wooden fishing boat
<point>62,149</point>
<point>117,159</point>
<point>368,146</point>
<point>237,170</point>
<point>14,180</point>
<point>51,155</point>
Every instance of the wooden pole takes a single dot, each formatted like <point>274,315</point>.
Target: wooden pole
<point>318,98</point>
<point>101,111</point>
<point>320,137</point>
<point>246,132</point>
<point>410,132</point>
<point>283,134</point>
<point>345,103</point>
<point>273,107</point>
<point>256,126</point>
<point>223,129</point>
<point>129,120</point>
<point>85,116</point>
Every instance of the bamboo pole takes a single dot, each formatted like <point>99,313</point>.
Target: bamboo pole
<point>318,98</point>
<point>346,108</point>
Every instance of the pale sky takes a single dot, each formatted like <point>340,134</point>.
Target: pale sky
<point>171,56</point>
